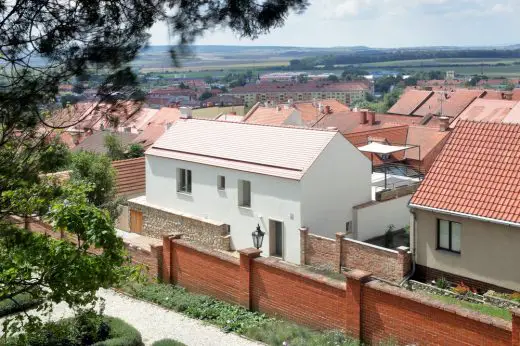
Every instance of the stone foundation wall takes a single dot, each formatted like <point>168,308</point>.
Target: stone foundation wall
<point>158,222</point>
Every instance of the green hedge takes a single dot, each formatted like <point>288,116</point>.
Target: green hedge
<point>168,342</point>
<point>75,332</point>
<point>23,302</point>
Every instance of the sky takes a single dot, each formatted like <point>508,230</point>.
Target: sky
<point>383,24</point>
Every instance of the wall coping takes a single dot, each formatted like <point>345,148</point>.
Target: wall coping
<point>206,251</point>
<point>371,245</point>
<point>300,271</point>
<point>141,200</point>
<point>321,237</point>
<point>425,300</point>
<point>372,203</point>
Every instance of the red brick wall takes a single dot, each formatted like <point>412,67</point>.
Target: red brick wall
<point>382,263</point>
<point>279,289</point>
<point>321,252</point>
<point>368,309</point>
<point>410,319</point>
<point>205,271</point>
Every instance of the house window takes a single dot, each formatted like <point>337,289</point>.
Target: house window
<point>244,193</point>
<point>183,180</point>
<point>221,182</point>
<point>448,235</point>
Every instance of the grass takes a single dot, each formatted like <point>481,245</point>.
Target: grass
<point>168,342</point>
<point>482,308</point>
<point>234,318</point>
<point>22,302</point>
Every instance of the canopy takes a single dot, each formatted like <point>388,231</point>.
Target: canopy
<point>378,148</point>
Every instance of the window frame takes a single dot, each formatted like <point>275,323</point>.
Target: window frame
<point>184,186</point>
<point>240,190</point>
<point>221,182</point>
<point>450,236</point>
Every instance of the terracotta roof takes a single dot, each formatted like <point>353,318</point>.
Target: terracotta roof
<point>477,174</point>
<point>427,138</point>
<point>491,111</point>
<point>410,101</point>
<point>396,135</point>
<point>230,117</point>
<point>456,102</point>
<point>96,142</point>
<point>156,125</point>
<point>272,115</point>
<point>271,150</point>
<point>310,110</point>
<point>310,86</point>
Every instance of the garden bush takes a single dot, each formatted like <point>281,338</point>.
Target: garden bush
<point>22,302</point>
<point>168,342</point>
<point>87,328</point>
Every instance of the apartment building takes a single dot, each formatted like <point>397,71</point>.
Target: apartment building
<point>280,92</point>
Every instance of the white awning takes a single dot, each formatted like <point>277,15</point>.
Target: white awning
<point>378,148</point>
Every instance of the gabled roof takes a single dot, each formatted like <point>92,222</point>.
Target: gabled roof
<point>410,101</point>
<point>285,152</point>
<point>491,111</point>
<point>310,111</point>
<point>427,138</point>
<point>456,102</point>
<point>477,174</point>
<point>156,125</point>
<point>272,115</point>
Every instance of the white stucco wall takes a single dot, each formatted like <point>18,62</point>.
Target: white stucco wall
<point>271,198</point>
<point>338,180</point>
<point>373,220</point>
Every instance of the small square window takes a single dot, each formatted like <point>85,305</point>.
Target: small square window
<point>221,182</point>
<point>183,180</point>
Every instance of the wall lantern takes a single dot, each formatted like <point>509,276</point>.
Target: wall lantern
<point>258,237</point>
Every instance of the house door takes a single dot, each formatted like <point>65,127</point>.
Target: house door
<point>276,238</point>
<point>136,221</point>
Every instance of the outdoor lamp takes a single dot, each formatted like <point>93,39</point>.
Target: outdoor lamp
<point>258,237</point>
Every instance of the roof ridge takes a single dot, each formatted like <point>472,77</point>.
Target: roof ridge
<point>264,125</point>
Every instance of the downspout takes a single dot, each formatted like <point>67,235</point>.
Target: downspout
<point>412,247</point>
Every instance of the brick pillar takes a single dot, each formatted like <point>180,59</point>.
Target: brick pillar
<point>246,258</point>
<point>304,236</point>
<point>168,250</point>
<point>339,250</point>
<point>515,331</point>
<point>355,280</point>
<point>156,252</point>
<point>404,259</point>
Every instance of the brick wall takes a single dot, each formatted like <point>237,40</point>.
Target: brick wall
<point>383,263</point>
<point>332,254</point>
<point>318,252</point>
<point>363,307</point>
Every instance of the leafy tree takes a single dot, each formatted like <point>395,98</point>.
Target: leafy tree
<point>205,95</point>
<point>96,170</point>
<point>48,43</point>
<point>55,157</point>
<point>333,78</point>
<point>114,146</point>
<point>134,151</point>
<point>302,78</point>
<point>411,81</point>
<point>183,86</point>
<point>78,88</point>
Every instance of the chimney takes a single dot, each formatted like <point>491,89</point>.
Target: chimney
<point>290,102</point>
<point>445,124</point>
<point>278,108</point>
<point>507,95</point>
<point>320,107</point>
<point>371,117</point>
<point>185,113</point>
<point>362,116</point>
<point>327,109</point>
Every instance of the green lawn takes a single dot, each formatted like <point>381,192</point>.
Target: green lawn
<point>482,308</point>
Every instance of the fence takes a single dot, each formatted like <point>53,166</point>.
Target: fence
<point>365,308</point>
<point>333,254</point>
<point>130,176</point>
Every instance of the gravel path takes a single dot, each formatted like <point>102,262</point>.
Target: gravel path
<point>156,323</point>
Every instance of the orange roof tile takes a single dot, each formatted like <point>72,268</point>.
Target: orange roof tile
<point>276,115</point>
<point>456,102</point>
<point>477,174</point>
<point>410,101</point>
<point>310,110</point>
<point>426,138</point>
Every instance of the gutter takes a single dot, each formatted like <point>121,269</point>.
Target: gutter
<point>469,216</point>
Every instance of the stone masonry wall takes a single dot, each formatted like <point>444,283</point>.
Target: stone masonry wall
<point>158,222</point>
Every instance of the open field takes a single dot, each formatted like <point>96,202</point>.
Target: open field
<point>440,62</point>
<point>212,67</point>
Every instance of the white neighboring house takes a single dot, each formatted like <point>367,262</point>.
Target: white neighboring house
<point>281,178</point>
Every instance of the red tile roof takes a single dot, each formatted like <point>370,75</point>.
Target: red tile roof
<point>491,111</point>
<point>310,110</point>
<point>276,115</point>
<point>476,174</point>
<point>427,138</point>
<point>456,102</point>
<point>157,125</point>
<point>310,86</point>
<point>410,101</point>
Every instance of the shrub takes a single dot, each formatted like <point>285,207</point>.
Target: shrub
<point>389,236</point>
<point>20,302</point>
<point>168,342</point>
<point>461,288</point>
<point>121,334</point>
<point>442,283</point>
<point>515,296</point>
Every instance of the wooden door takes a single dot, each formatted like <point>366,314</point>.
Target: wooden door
<point>136,221</point>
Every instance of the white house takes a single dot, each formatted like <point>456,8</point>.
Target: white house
<point>241,175</point>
